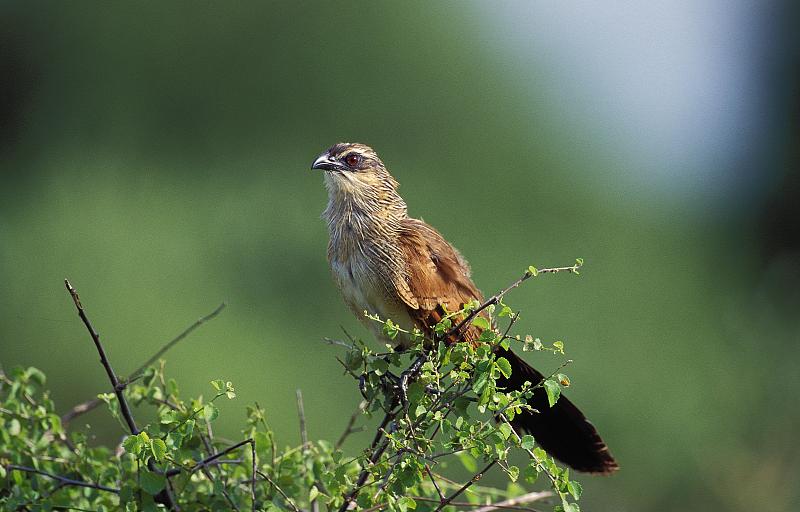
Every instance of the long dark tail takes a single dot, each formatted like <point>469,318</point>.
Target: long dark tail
<point>562,430</point>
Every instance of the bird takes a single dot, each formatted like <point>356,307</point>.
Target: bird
<point>397,267</point>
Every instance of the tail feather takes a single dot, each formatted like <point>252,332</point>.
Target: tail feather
<point>562,430</point>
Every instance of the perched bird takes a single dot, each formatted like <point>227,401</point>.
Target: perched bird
<point>400,268</point>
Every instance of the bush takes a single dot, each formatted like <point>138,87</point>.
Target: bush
<point>436,403</point>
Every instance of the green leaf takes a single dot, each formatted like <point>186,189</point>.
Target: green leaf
<point>505,429</point>
<point>416,391</point>
<point>35,375</point>
<point>553,391</point>
<point>480,382</point>
<point>380,366</point>
<point>531,473</point>
<point>152,483</point>
<point>533,271</point>
<point>169,416</point>
<point>468,461</point>
<point>390,329</point>
<point>210,411</point>
<point>527,442</point>
<point>480,322</point>
<point>405,503</point>
<point>487,336</point>
<point>313,493</point>
<point>14,427</point>
<point>159,449</point>
<point>559,346</point>
<point>504,366</point>
<point>132,445</point>
<point>229,391</point>
<point>513,473</point>
<point>218,384</point>
<point>575,489</point>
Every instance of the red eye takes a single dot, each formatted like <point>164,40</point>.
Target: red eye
<point>352,159</point>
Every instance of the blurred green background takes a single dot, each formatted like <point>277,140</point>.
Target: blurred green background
<point>157,155</point>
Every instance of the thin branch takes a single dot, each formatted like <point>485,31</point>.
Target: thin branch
<point>203,463</point>
<point>433,481</point>
<point>174,341</point>
<point>376,454</point>
<point>89,405</point>
<point>331,341</point>
<point>215,464</point>
<point>301,414</point>
<point>499,296</point>
<point>466,486</point>
<point>471,506</point>
<point>253,469</point>
<point>123,403</point>
<point>61,479</point>
<point>513,503</point>
<point>280,491</point>
<point>362,405</point>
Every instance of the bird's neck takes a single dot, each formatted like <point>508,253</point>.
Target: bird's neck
<point>372,215</point>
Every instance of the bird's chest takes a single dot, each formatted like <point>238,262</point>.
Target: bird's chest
<point>365,284</point>
<point>356,278</point>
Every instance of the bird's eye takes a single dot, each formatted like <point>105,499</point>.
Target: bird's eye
<point>352,159</point>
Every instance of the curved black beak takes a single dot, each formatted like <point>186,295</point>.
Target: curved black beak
<point>326,163</point>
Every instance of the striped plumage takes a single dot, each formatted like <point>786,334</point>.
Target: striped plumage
<point>400,268</point>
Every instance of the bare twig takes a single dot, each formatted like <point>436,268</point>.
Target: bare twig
<point>118,389</point>
<point>61,479</point>
<point>515,502</point>
<point>301,414</point>
<point>253,469</point>
<point>286,497</point>
<point>331,341</point>
<point>433,481</point>
<point>471,506</point>
<point>89,405</point>
<point>174,341</point>
<point>349,429</point>
<point>203,463</point>
<point>466,486</point>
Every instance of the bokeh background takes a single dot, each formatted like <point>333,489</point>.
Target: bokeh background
<point>157,155</point>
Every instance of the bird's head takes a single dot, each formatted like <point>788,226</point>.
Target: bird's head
<point>353,169</point>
